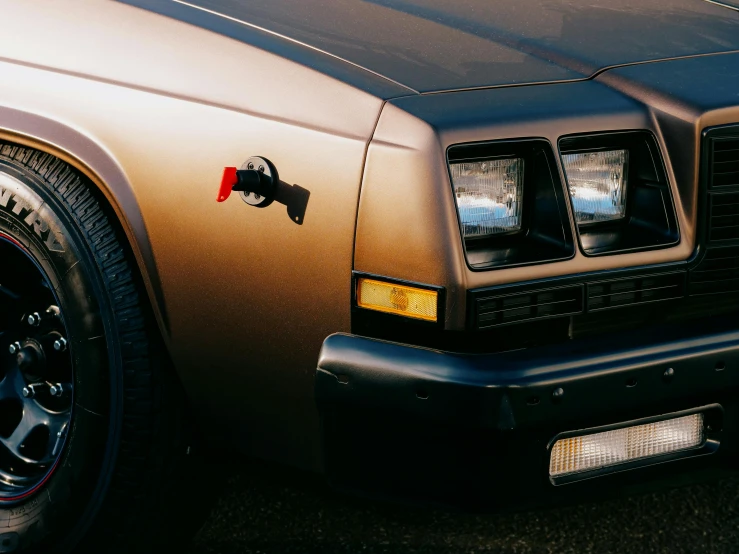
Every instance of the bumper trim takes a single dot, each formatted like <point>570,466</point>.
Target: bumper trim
<point>514,390</point>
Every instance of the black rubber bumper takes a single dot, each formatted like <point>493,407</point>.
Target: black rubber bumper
<point>406,421</point>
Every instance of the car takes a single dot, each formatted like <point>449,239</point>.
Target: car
<point>476,254</point>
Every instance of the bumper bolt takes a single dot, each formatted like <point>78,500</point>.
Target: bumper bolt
<point>60,344</point>
<point>34,319</point>
<point>14,348</point>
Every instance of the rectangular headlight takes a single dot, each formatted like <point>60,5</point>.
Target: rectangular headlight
<point>597,183</point>
<point>489,196</point>
<point>601,450</point>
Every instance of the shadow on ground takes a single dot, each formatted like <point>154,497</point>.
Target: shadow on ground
<point>262,512</point>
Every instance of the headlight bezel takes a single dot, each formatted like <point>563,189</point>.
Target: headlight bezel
<point>545,232</point>
<point>650,220</point>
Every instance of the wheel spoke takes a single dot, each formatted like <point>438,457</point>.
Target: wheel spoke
<point>12,383</point>
<point>34,417</point>
<point>31,419</point>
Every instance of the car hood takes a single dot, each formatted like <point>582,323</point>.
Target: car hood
<point>438,45</point>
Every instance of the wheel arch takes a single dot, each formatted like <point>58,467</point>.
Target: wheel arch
<point>102,170</point>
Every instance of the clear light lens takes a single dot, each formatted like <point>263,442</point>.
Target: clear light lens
<point>397,299</point>
<point>597,182</point>
<point>489,196</point>
<point>599,450</point>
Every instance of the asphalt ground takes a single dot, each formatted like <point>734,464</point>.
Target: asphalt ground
<point>268,513</point>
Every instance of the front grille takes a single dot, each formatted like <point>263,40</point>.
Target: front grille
<point>725,163</point>
<point>632,291</point>
<point>718,271</point>
<point>493,308</point>
<point>723,221</point>
<point>501,309</point>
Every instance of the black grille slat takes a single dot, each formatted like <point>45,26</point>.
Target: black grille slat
<point>633,291</point>
<point>642,291</point>
<point>725,156</point>
<point>718,271</point>
<point>726,179</point>
<point>725,163</point>
<point>540,304</point>
<point>726,144</point>
<point>714,287</point>
<point>724,216</point>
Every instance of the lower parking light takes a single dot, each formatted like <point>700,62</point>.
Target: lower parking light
<point>595,451</point>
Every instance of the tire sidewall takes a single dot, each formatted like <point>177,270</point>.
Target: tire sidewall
<point>58,513</point>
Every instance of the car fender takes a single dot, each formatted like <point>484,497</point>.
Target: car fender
<point>103,170</point>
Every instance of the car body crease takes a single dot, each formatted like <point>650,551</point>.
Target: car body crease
<point>295,41</point>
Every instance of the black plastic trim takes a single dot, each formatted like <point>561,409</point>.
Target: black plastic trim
<point>647,189</point>
<point>586,281</point>
<point>706,192</point>
<point>576,300</point>
<point>496,390</point>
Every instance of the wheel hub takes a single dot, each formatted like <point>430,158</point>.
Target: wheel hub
<point>36,374</point>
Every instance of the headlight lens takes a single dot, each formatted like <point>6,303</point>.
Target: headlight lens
<point>489,196</point>
<point>597,183</point>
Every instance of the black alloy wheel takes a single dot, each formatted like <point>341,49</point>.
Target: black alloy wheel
<point>36,381</point>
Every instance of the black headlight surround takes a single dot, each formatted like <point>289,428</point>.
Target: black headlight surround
<point>545,234</point>
<point>650,222</point>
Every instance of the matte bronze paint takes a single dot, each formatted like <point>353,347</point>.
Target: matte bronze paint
<point>438,45</point>
<point>250,295</point>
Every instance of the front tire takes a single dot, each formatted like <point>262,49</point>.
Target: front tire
<point>125,443</point>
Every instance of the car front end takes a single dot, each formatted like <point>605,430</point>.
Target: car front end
<point>577,245</point>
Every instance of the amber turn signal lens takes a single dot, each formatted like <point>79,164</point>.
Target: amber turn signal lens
<point>397,299</point>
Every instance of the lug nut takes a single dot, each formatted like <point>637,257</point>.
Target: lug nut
<point>56,390</point>
<point>28,392</point>
<point>14,348</point>
<point>34,319</point>
<point>60,344</point>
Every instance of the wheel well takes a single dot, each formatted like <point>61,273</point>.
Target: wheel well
<point>117,217</point>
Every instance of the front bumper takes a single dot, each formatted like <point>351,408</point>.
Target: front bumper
<point>476,429</point>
